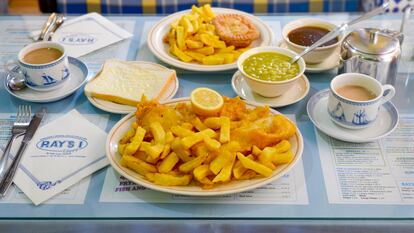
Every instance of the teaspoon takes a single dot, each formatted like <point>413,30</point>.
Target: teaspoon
<point>15,83</point>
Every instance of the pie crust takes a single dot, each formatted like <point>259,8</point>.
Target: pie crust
<point>235,29</point>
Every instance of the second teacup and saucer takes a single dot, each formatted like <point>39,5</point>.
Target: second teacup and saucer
<point>48,73</point>
<point>354,120</point>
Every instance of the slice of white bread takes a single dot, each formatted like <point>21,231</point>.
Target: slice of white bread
<point>125,82</point>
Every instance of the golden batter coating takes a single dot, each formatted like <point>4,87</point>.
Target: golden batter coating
<point>235,29</point>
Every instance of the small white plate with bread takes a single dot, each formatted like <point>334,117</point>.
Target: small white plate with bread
<point>120,85</point>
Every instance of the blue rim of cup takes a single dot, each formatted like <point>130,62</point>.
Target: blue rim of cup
<point>355,102</point>
<point>41,66</point>
<point>44,65</point>
<point>352,102</point>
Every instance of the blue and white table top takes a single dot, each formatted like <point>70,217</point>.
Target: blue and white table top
<point>97,200</point>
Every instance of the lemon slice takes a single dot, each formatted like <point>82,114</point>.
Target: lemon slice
<point>206,102</point>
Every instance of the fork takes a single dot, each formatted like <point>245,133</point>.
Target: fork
<point>22,121</point>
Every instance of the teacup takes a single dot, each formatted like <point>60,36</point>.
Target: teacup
<point>41,73</point>
<point>350,113</point>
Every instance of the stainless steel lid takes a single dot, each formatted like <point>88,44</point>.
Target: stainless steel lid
<point>371,41</point>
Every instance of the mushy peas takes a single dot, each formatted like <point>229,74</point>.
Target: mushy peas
<point>270,66</point>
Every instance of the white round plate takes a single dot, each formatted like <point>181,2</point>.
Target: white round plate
<point>160,49</point>
<point>299,91</point>
<point>112,107</point>
<point>118,131</point>
<point>77,77</point>
<point>329,63</point>
<point>386,122</point>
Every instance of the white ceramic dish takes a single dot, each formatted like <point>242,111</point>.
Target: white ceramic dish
<point>386,122</point>
<point>160,49</point>
<point>319,54</point>
<point>77,77</point>
<point>123,125</point>
<point>329,63</point>
<point>112,107</point>
<point>269,88</point>
<point>296,93</point>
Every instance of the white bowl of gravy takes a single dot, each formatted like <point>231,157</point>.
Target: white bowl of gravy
<point>302,33</point>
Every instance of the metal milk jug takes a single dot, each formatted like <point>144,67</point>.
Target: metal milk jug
<point>372,52</point>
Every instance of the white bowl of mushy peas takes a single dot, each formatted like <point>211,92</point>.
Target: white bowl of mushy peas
<point>267,70</point>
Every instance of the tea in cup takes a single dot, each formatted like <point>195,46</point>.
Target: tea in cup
<point>355,99</point>
<point>44,65</point>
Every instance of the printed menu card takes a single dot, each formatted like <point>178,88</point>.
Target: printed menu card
<point>378,172</point>
<point>61,154</point>
<point>87,33</point>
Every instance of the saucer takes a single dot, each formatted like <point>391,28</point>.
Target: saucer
<point>295,94</point>
<point>77,77</point>
<point>329,63</point>
<point>386,122</point>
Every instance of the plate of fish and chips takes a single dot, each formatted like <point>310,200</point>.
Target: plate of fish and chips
<point>205,38</point>
<point>169,148</point>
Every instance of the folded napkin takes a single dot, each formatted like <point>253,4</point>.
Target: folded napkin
<point>87,33</point>
<point>60,154</point>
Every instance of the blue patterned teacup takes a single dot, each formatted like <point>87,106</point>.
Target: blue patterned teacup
<point>41,77</point>
<point>357,114</point>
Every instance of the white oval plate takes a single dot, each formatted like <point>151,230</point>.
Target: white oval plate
<point>299,91</point>
<point>78,75</point>
<point>112,107</point>
<point>118,131</point>
<point>329,63</point>
<point>160,49</point>
<point>386,122</point>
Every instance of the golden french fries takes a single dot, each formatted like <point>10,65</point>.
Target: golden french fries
<point>202,150</point>
<point>224,129</point>
<point>158,132</point>
<point>171,180</point>
<point>136,140</point>
<point>137,165</point>
<point>168,163</point>
<point>193,38</point>
<point>253,165</point>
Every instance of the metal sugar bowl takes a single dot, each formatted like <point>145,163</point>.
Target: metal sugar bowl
<point>372,52</point>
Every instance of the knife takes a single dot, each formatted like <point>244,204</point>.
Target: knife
<point>7,179</point>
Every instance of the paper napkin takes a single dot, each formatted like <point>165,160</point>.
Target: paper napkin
<point>60,154</point>
<point>87,33</point>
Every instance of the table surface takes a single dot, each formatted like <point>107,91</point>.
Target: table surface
<point>318,207</point>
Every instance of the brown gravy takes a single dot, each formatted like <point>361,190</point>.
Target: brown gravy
<point>42,56</point>
<point>355,92</point>
<point>308,35</point>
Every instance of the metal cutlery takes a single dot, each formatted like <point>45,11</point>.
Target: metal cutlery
<point>19,128</point>
<point>7,178</point>
<point>59,21</point>
<point>46,27</point>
